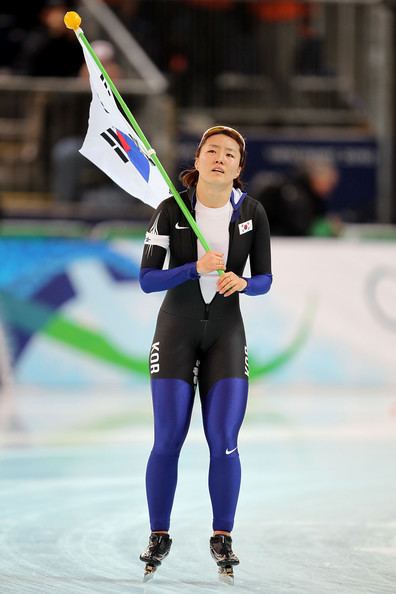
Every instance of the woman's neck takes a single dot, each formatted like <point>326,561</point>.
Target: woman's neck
<point>212,197</point>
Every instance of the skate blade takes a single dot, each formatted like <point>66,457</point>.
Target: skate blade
<point>149,572</point>
<point>226,575</point>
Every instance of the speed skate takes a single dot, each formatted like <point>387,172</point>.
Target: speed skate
<point>157,549</point>
<point>225,558</point>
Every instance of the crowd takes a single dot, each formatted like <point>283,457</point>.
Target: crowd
<point>35,41</point>
<point>191,41</point>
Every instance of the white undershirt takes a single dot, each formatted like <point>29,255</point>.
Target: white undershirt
<point>214,223</point>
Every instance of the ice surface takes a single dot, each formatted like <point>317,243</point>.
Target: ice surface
<point>316,515</point>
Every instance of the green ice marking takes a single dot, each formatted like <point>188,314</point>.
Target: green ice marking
<point>93,343</point>
<point>35,318</point>
<point>96,345</point>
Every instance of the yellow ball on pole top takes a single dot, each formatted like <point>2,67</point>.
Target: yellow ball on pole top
<point>72,20</point>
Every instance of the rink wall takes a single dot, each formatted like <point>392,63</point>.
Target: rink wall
<point>74,315</point>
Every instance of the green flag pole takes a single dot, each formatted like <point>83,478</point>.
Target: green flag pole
<point>72,21</point>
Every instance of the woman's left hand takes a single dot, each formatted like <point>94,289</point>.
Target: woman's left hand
<point>229,283</point>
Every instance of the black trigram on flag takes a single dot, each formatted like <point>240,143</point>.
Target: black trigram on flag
<point>111,137</point>
<point>102,78</point>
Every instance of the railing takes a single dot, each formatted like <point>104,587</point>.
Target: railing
<point>103,20</point>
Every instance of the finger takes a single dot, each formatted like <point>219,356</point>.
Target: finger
<point>226,277</point>
<point>230,292</point>
<point>229,278</point>
<point>226,288</point>
<point>224,280</point>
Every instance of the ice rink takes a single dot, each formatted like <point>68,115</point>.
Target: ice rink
<point>316,515</point>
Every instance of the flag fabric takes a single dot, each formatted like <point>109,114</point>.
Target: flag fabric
<point>113,146</point>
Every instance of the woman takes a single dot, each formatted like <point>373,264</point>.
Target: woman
<point>200,338</point>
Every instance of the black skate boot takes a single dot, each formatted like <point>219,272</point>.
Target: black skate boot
<point>222,553</point>
<point>158,548</point>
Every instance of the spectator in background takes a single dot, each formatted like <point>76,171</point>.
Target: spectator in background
<point>310,55</point>
<point>105,52</point>
<point>296,204</point>
<point>197,54</point>
<point>50,49</point>
<point>16,20</point>
<point>145,21</point>
<point>277,24</point>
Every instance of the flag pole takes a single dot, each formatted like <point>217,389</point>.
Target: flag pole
<point>72,21</point>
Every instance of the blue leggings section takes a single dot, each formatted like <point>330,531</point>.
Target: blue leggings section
<point>223,409</point>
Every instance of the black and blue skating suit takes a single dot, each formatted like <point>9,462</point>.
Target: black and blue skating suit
<point>200,343</point>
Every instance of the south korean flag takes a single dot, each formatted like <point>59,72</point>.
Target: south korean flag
<point>113,146</point>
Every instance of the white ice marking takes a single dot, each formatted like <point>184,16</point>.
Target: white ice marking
<point>379,550</point>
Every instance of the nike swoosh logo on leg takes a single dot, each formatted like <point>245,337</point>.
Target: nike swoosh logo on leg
<point>177,226</point>
<point>228,452</point>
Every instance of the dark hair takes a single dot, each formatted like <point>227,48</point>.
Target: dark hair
<point>189,177</point>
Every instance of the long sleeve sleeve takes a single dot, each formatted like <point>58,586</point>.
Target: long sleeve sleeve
<point>260,256</point>
<point>152,276</point>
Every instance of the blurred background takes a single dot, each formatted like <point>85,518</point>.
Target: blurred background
<point>311,85</point>
<point>305,82</point>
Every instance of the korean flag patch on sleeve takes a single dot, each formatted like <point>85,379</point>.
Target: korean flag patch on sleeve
<point>245,227</point>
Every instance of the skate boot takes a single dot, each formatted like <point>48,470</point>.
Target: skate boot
<point>222,553</point>
<point>158,548</point>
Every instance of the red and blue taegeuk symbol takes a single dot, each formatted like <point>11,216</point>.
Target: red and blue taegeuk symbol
<point>136,157</point>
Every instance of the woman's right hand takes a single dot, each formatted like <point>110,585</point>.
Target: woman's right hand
<point>209,262</point>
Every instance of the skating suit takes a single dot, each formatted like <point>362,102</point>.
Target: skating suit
<point>199,343</point>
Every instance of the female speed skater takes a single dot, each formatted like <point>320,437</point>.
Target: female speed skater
<point>200,337</point>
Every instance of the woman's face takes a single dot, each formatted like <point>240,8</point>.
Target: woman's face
<point>218,160</point>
